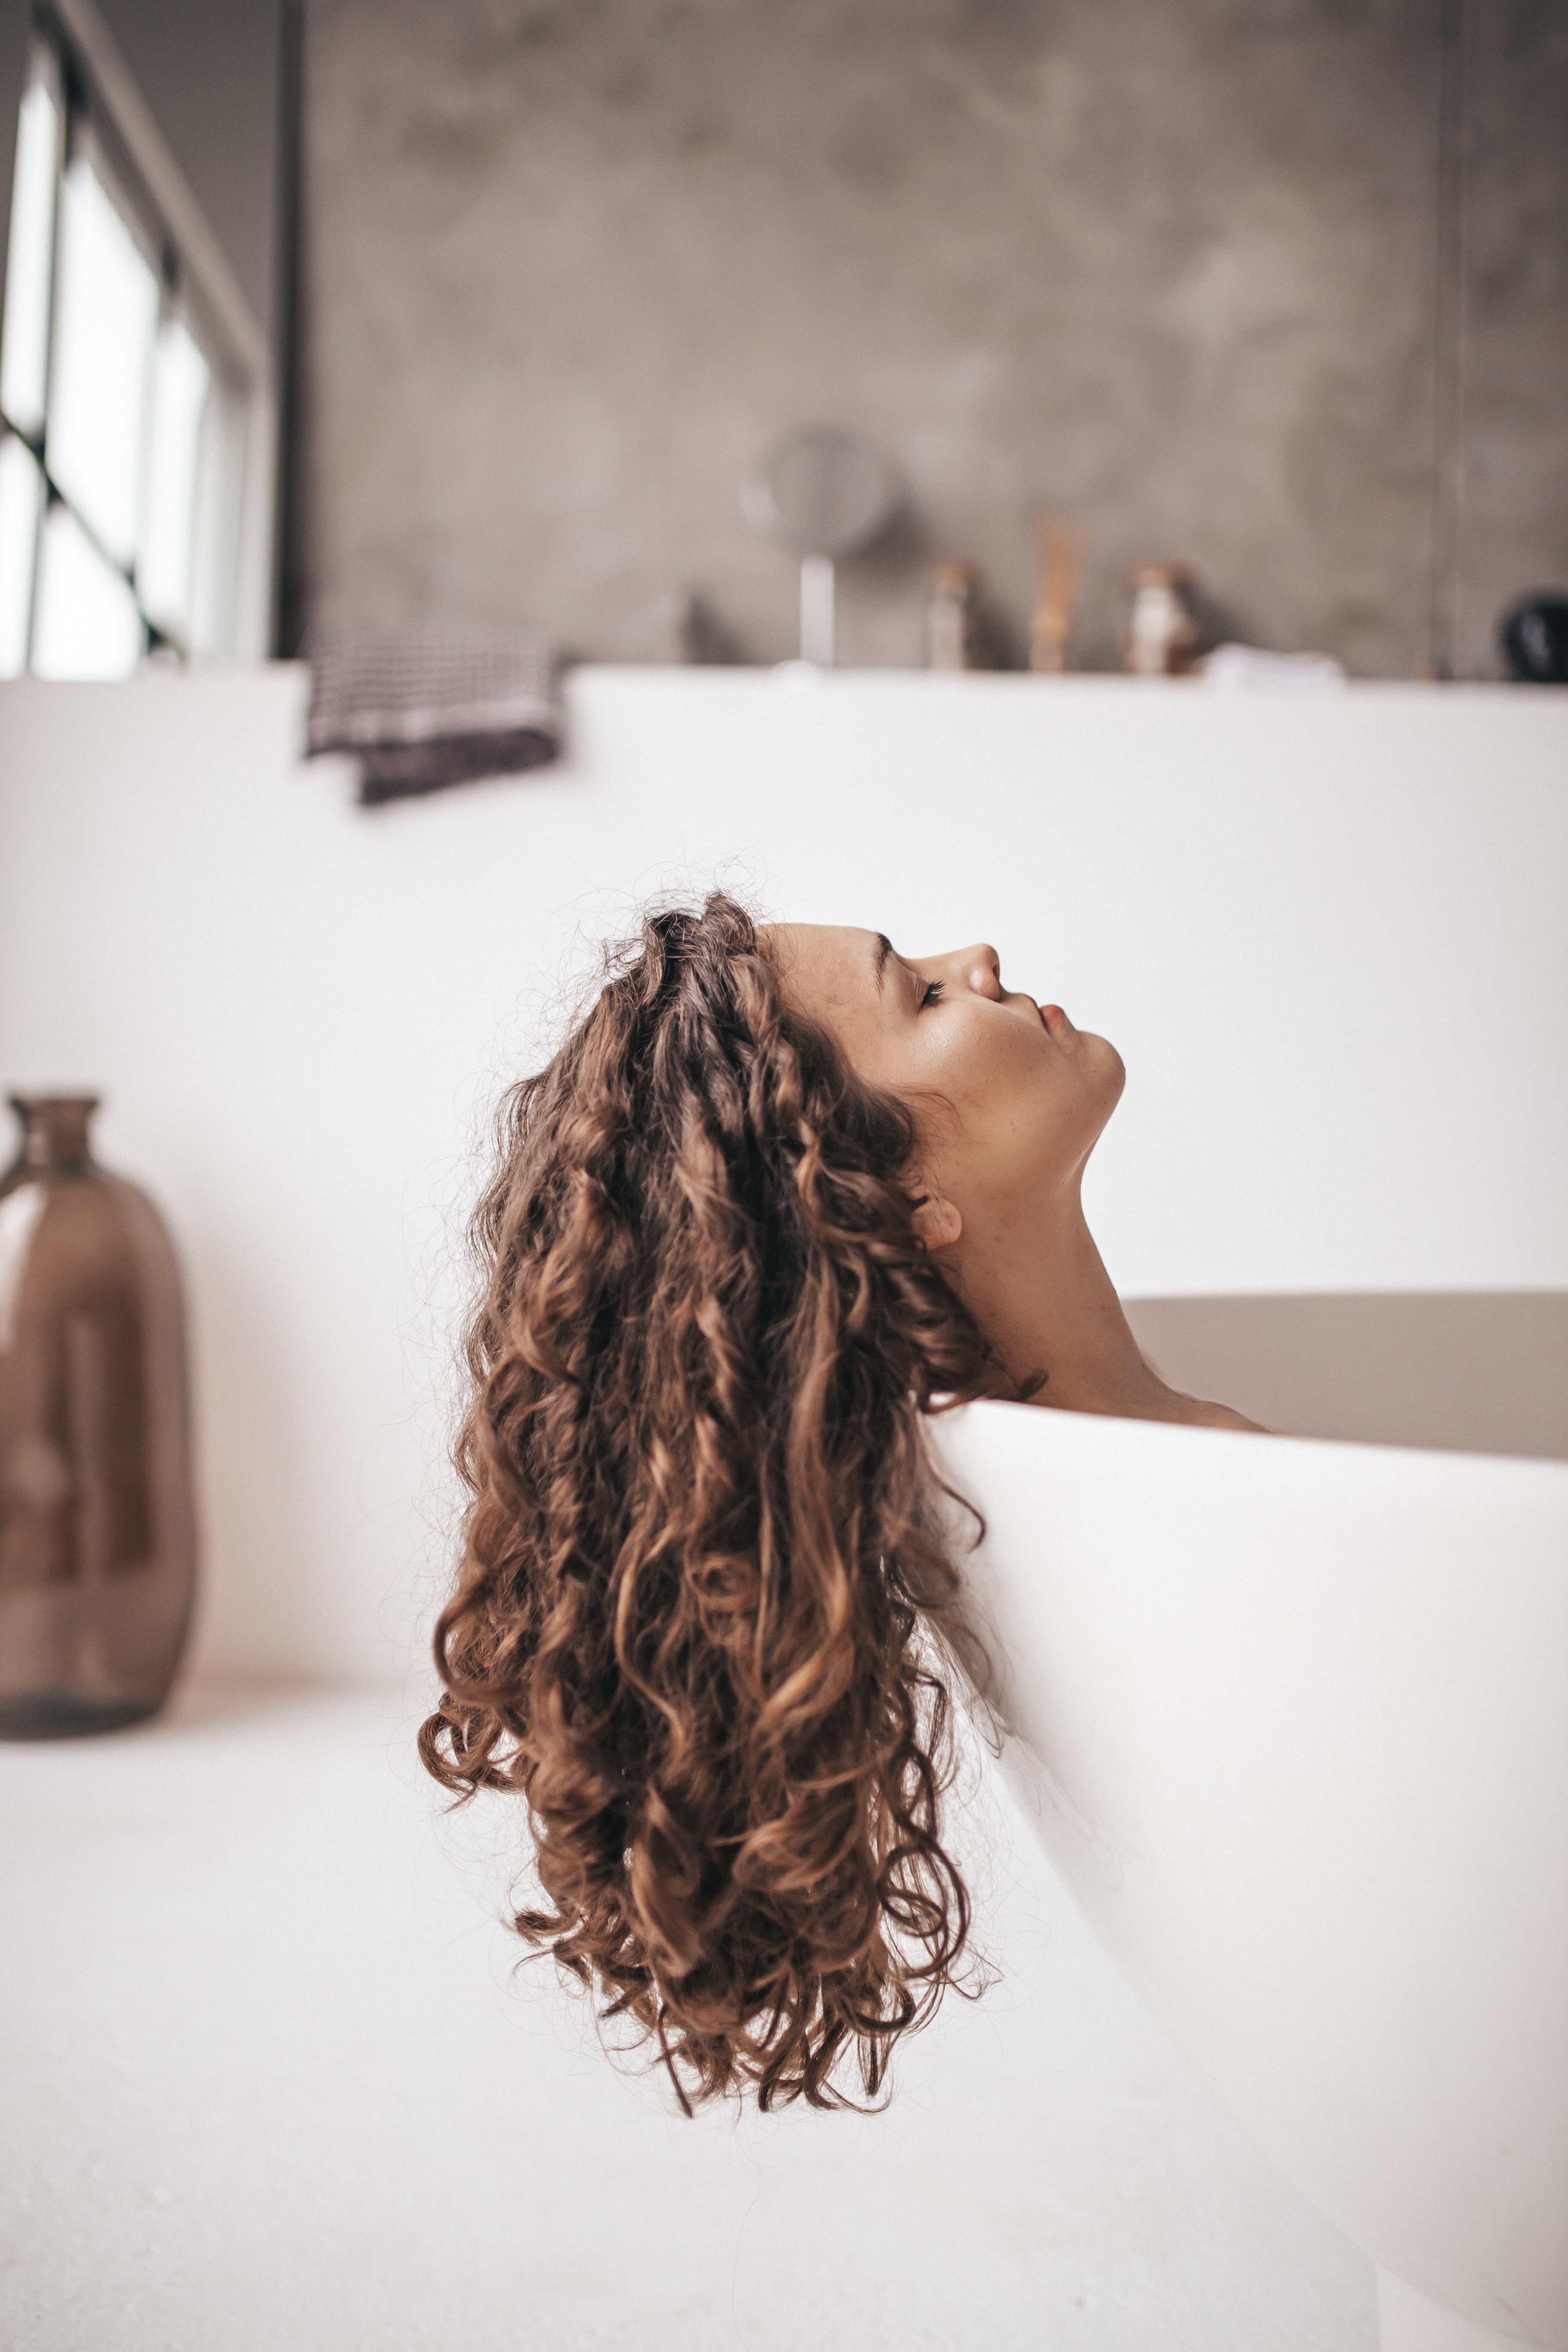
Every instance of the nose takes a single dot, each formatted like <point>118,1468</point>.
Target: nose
<point>982,969</point>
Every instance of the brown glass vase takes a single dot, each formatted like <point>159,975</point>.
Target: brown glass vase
<point>97,1549</point>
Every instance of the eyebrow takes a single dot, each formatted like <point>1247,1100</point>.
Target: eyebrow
<point>882,948</point>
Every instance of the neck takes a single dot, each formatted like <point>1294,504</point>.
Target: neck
<point>1039,1289</point>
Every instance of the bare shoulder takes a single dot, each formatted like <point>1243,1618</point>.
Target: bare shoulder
<point>1207,1415</point>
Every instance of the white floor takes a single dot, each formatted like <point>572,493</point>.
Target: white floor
<point>270,2083</point>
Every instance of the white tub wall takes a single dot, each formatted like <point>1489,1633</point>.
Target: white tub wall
<point>1328,935</point>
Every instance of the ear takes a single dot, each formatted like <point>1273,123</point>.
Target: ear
<point>937,1223</point>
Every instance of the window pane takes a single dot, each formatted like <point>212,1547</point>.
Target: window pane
<point>220,470</point>
<point>25,351</point>
<point>106,309</point>
<point>87,623</point>
<point>180,382</point>
<point>21,495</point>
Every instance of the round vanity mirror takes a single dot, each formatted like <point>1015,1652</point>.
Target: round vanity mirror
<point>828,494</point>
<point>825,492</point>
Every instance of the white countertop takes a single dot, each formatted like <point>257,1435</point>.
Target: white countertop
<point>269,2082</point>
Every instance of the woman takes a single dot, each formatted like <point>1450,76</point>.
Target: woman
<point>780,1194</point>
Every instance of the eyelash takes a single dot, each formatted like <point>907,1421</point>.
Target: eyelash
<point>934,988</point>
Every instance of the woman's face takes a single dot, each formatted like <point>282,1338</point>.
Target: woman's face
<point>1009,1097</point>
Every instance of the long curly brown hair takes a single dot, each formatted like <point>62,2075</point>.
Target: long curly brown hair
<point>706,1604</point>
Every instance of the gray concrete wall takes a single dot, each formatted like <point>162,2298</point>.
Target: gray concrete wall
<point>1510,486</point>
<point>1174,271</point>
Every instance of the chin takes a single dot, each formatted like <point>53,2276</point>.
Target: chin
<point>1109,1071</point>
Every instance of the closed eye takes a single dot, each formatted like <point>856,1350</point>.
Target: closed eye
<point>930,993</point>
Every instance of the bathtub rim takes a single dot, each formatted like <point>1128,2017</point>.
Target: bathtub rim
<point>1092,1434</point>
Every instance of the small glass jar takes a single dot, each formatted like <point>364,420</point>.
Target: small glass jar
<point>952,617</point>
<point>1163,636</point>
<point>98,1550</point>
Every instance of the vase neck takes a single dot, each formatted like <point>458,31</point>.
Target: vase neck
<point>54,1129</point>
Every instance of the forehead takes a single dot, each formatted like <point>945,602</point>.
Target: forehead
<point>826,963</point>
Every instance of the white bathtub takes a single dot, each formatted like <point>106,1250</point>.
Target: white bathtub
<point>1291,1720</point>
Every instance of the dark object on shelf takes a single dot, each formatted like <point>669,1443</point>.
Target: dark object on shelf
<point>701,636</point>
<point>1533,634</point>
<point>422,708</point>
<point>98,1550</point>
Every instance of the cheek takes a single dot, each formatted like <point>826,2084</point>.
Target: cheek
<point>982,1060</point>
<point>1024,1114</point>
<point>1006,1092</point>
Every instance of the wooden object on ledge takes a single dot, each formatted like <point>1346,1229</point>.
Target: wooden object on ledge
<point>1059,556</point>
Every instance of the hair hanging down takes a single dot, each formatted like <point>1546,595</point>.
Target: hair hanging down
<point>702,1551</point>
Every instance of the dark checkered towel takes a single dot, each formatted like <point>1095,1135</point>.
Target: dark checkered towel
<point>422,708</point>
